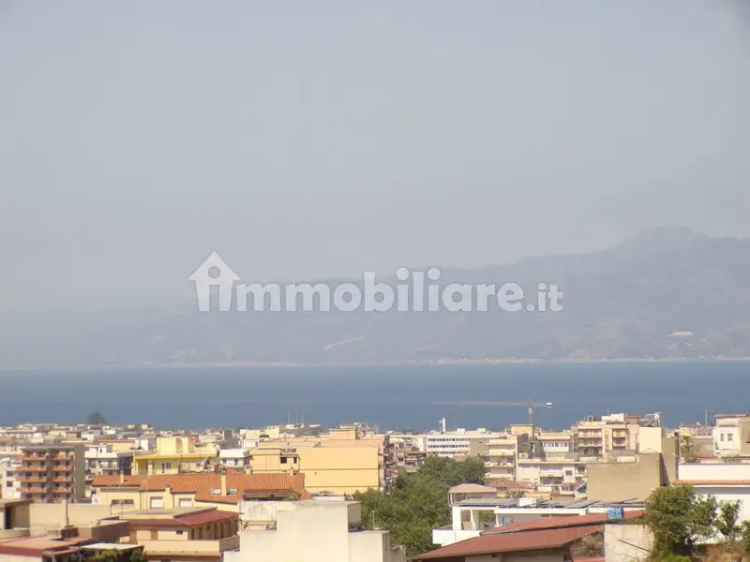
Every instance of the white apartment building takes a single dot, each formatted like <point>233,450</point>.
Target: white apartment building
<point>235,458</point>
<point>557,476</point>
<point>610,435</point>
<point>556,443</point>
<point>10,487</point>
<point>310,531</point>
<point>457,443</point>
<point>502,455</point>
<point>731,435</point>
<point>722,480</point>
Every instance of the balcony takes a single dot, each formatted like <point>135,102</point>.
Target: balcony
<point>31,479</point>
<point>32,468</point>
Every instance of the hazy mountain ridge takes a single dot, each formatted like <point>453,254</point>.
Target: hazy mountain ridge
<point>669,293</point>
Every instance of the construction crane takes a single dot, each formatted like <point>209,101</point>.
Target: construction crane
<point>530,405</point>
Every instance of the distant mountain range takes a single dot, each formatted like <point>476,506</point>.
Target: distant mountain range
<point>667,294</point>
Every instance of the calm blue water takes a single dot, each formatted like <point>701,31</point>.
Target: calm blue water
<point>389,397</point>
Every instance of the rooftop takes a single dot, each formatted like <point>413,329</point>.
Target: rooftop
<point>35,546</point>
<point>207,486</point>
<point>178,517</point>
<point>512,542</point>
<point>544,533</point>
<point>472,489</point>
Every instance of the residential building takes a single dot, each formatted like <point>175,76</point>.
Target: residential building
<point>10,486</point>
<point>557,476</point>
<point>105,460</point>
<point>342,462</point>
<point>238,459</point>
<point>501,455</point>
<point>204,534</point>
<point>53,532</point>
<point>274,460</point>
<point>469,491</point>
<point>632,477</point>
<point>550,539</point>
<point>456,444</point>
<point>731,435</point>
<point>725,481</point>
<point>173,455</point>
<point>52,473</point>
<point>311,531</point>
<point>607,436</point>
<point>341,470</point>
<point>404,454</point>
<point>224,491</point>
<point>471,516</point>
<point>555,443</point>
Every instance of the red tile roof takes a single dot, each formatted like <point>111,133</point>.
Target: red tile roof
<point>186,520</point>
<point>203,484</point>
<point>497,543</point>
<point>538,534</point>
<point>203,517</point>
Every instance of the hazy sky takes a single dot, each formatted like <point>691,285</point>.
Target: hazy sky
<point>303,139</point>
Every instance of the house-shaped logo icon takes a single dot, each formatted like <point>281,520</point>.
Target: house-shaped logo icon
<point>214,272</point>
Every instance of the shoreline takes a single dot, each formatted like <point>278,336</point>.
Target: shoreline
<point>436,363</point>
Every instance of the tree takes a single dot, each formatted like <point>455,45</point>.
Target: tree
<point>106,556</point>
<point>678,517</point>
<point>727,521</point>
<point>137,557</point>
<point>687,448</point>
<point>115,556</point>
<point>745,536</point>
<point>418,502</point>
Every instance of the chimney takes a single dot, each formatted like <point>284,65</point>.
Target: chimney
<point>122,477</point>
<point>223,479</point>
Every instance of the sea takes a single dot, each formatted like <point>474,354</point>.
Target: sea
<point>396,398</point>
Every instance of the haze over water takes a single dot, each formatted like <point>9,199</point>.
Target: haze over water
<point>389,397</point>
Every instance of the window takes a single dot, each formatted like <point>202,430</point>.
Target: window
<point>730,436</point>
<point>283,460</point>
<point>185,502</point>
<point>156,502</point>
<point>123,502</point>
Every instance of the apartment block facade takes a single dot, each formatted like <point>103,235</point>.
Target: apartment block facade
<point>52,473</point>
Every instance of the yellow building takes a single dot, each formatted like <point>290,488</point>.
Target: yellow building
<point>342,462</point>
<point>174,455</point>
<point>118,445</point>
<point>274,460</point>
<point>341,470</point>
